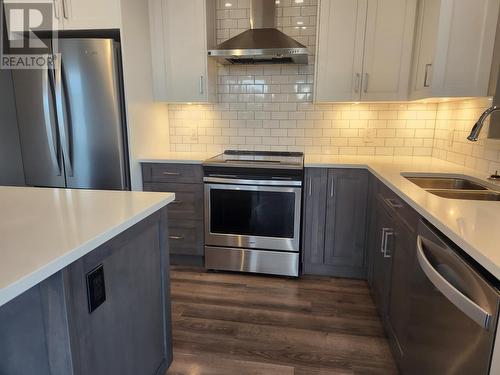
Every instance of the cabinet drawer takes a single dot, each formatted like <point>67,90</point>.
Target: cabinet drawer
<point>178,173</point>
<point>188,202</point>
<point>185,237</point>
<point>398,207</point>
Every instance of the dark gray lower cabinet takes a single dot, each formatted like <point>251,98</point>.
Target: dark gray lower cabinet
<point>398,312</point>
<point>314,217</point>
<point>186,222</point>
<point>391,247</point>
<point>335,222</point>
<point>382,248</point>
<point>49,329</point>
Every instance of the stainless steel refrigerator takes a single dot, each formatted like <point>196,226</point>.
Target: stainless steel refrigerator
<point>71,118</point>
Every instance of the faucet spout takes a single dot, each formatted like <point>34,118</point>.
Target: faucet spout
<point>476,129</point>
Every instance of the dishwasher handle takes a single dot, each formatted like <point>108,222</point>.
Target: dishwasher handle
<point>461,301</point>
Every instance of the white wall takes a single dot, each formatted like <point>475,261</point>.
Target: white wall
<point>147,120</point>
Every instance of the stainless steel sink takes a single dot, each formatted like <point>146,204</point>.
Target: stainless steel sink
<point>445,183</point>
<point>485,195</point>
<point>455,188</point>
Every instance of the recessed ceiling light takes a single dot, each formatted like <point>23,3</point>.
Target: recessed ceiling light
<point>277,1</point>
<point>228,5</point>
<point>303,27</point>
<point>299,1</point>
<point>300,22</point>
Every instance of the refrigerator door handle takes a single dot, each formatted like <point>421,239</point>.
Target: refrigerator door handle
<point>63,118</point>
<point>49,126</point>
<point>460,300</point>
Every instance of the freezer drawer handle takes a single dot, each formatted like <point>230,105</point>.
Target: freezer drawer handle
<point>462,302</point>
<point>171,174</point>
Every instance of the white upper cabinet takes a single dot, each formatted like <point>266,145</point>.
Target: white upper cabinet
<point>388,49</point>
<point>364,50</point>
<point>339,54</point>
<point>181,33</point>
<point>91,14</point>
<point>86,14</point>
<point>453,48</point>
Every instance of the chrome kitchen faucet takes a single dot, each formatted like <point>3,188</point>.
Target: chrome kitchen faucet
<point>476,129</point>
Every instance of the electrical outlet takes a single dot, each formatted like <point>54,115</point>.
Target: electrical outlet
<point>96,289</point>
<point>368,135</point>
<point>194,134</point>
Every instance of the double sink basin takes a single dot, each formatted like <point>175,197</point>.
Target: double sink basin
<point>455,188</point>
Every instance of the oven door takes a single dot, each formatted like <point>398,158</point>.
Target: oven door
<point>252,216</point>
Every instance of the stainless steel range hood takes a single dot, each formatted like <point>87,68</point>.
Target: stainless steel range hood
<point>263,43</point>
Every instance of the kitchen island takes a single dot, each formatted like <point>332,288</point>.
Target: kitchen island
<point>84,282</point>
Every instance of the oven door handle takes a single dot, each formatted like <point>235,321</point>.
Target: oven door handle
<point>233,181</point>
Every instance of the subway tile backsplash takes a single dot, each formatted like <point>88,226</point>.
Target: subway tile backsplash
<point>269,107</point>
<point>349,129</point>
<point>454,121</point>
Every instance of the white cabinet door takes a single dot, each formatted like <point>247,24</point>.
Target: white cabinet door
<point>339,58</point>
<point>91,14</point>
<point>181,63</point>
<point>464,52</point>
<point>425,48</point>
<point>388,49</point>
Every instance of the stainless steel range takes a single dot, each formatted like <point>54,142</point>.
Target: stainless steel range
<point>253,211</point>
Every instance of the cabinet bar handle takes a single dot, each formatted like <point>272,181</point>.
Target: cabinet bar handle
<point>365,83</point>
<point>177,202</point>
<point>383,244</point>
<point>310,186</point>
<point>332,188</point>
<point>176,237</point>
<point>427,66</point>
<point>171,173</point>
<point>387,254</point>
<point>393,203</point>
<point>65,9</point>
<point>56,9</point>
<point>357,83</point>
<point>201,84</point>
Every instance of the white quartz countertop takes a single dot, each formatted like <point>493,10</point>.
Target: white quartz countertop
<point>472,225</point>
<point>43,230</point>
<point>178,157</point>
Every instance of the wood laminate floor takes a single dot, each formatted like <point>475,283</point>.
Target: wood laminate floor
<point>234,324</point>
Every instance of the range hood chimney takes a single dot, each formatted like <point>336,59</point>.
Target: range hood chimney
<point>263,43</point>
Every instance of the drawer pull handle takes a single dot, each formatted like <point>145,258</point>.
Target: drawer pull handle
<point>393,203</point>
<point>171,173</point>
<point>177,202</point>
<point>176,237</point>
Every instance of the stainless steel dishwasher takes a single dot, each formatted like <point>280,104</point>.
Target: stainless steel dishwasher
<point>454,311</point>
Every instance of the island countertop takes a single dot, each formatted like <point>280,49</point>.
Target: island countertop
<point>42,230</point>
